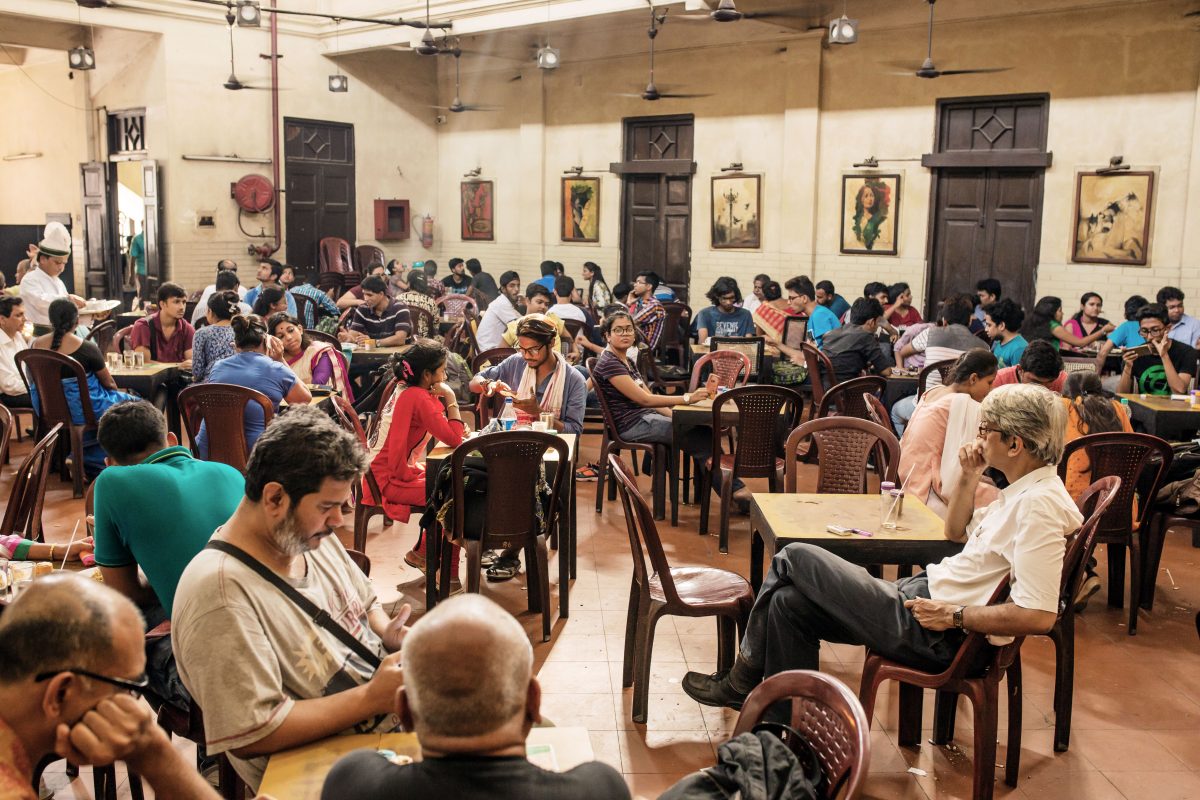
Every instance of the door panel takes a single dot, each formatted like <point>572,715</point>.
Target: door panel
<point>319,158</point>
<point>98,245</point>
<point>152,232</point>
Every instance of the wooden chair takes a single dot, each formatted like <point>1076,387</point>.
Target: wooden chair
<point>830,718</point>
<point>43,370</point>
<point>102,334</point>
<point>941,367</point>
<point>221,408</point>
<point>760,411</point>
<point>1141,462</point>
<point>454,305</point>
<point>731,367</point>
<point>844,446</point>
<point>27,494</point>
<point>513,460</point>
<point>657,589</point>
<point>820,371</point>
<point>322,336</point>
<point>662,458</point>
<point>877,413</point>
<point>845,399</point>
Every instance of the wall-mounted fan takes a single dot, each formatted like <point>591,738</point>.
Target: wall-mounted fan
<point>928,70</point>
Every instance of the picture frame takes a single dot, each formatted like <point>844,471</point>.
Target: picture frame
<point>580,205</point>
<point>478,211</point>
<point>1112,218</point>
<point>737,212</point>
<point>867,232</point>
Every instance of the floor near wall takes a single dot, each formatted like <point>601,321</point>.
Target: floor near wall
<point>1136,728</point>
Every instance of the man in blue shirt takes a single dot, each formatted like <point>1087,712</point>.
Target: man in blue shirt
<point>803,297</point>
<point>1128,333</point>
<point>724,317</point>
<point>1002,321</point>
<point>988,291</point>
<point>827,296</point>
<point>269,272</point>
<point>1181,327</point>
<point>550,272</point>
<point>321,305</point>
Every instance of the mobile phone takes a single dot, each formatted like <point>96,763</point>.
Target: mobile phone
<point>1142,349</point>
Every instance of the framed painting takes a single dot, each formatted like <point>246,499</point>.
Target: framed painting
<point>736,206</point>
<point>478,222</point>
<point>1112,218</point>
<point>580,209</point>
<point>870,208</point>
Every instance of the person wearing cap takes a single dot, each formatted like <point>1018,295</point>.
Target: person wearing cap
<point>42,286</point>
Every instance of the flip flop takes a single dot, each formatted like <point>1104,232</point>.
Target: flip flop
<point>505,569</point>
<point>488,559</point>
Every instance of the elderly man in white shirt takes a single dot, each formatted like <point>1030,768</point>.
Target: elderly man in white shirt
<point>811,596</point>
<point>12,319</point>
<point>42,286</point>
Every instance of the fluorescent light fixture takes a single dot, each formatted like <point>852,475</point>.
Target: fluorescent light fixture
<point>81,58</point>
<point>548,58</point>
<point>843,30</point>
<point>249,15</point>
<point>22,156</point>
<point>339,83</point>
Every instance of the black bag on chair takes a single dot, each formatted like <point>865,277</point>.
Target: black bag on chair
<point>441,500</point>
<point>757,765</point>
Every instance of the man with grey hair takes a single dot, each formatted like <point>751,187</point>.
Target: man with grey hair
<point>811,596</point>
<point>70,660</point>
<point>278,636</point>
<point>470,695</point>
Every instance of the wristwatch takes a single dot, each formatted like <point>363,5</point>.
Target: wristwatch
<point>958,620</point>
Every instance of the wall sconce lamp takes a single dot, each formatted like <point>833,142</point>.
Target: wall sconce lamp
<point>548,58</point>
<point>81,58</point>
<point>474,173</point>
<point>734,166</point>
<point>870,162</point>
<point>1115,164</point>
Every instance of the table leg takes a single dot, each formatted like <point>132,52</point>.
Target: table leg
<point>673,477</point>
<point>566,547</point>
<point>173,416</point>
<point>657,484</point>
<point>757,546</point>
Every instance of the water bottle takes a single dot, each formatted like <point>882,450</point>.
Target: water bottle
<point>886,514</point>
<point>508,418</point>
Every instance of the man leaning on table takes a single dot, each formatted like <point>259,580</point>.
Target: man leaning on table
<point>810,595</point>
<point>470,696</point>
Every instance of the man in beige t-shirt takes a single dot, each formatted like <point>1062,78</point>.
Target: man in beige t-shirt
<point>265,675</point>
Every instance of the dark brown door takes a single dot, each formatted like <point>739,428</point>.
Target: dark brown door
<point>319,159</point>
<point>103,268</point>
<point>656,224</point>
<point>987,226</point>
<point>152,230</point>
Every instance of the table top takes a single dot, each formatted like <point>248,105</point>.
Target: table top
<point>442,452</point>
<point>151,369</point>
<point>1157,402</point>
<point>299,774</point>
<point>804,516</point>
<point>700,349</point>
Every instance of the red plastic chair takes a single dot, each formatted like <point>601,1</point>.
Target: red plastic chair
<point>731,367</point>
<point>845,399</point>
<point>820,371</point>
<point>453,306</point>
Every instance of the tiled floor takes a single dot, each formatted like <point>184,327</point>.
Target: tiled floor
<point>1136,729</point>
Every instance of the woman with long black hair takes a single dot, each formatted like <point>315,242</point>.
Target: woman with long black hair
<point>1045,322</point>
<point>598,294</point>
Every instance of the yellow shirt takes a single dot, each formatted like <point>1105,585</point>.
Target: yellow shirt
<point>510,333</point>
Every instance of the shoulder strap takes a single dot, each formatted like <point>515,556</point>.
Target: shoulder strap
<point>318,615</point>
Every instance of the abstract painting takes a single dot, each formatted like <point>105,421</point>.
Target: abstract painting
<point>581,209</point>
<point>870,208</point>
<point>478,223</point>
<point>1112,218</point>
<point>736,204</point>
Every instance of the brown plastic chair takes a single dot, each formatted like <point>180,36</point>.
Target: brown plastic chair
<point>844,445</point>
<point>453,306</point>
<point>361,561</point>
<point>662,460</point>
<point>760,412</point>
<point>322,336</point>
<point>363,510</point>
<point>424,323</point>
<point>877,413</point>
<point>1092,504</point>
<point>845,399</point>
<point>1141,462</point>
<point>102,334</point>
<point>367,254</point>
<point>190,725</point>
<point>27,494</point>
<point>303,303</point>
<point>44,369</point>
<point>943,369</point>
<point>657,589</point>
<point>513,460</point>
<point>820,371</point>
<point>674,337</point>
<point>120,341</point>
<point>334,256</point>
<point>1156,530</point>
<point>731,368</point>
<point>222,409</point>
<point>7,423</point>
<point>661,378</point>
<point>830,718</point>
<point>574,327</point>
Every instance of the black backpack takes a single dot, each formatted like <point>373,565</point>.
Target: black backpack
<point>757,766</point>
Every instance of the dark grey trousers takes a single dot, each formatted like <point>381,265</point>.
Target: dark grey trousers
<point>810,596</point>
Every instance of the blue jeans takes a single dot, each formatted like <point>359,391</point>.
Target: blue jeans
<point>902,411</point>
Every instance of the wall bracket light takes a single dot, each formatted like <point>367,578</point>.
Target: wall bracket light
<point>249,14</point>
<point>843,30</point>
<point>474,173</point>
<point>734,166</point>
<point>548,57</point>
<point>339,83</point>
<point>1115,164</point>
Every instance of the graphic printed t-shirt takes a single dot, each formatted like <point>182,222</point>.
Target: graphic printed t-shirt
<point>1149,375</point>
<point>739,322</point>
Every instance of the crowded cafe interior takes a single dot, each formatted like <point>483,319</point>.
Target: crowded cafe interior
<point>599,399</point>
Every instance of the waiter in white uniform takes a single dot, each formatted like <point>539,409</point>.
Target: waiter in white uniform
<point>42,286</point>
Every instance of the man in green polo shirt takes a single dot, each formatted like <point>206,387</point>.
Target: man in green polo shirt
<point>155,508</point>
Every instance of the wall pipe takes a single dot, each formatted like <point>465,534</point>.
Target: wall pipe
<point>275,131</point>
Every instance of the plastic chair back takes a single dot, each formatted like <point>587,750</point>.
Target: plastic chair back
<point>820,370</point>
<point>846,398</point>
<point>1140,460</point>
<point>43,370</point>
<point>760,412</point>
<point>27,494</point>
<point>221,407</point>
<point>731,367</point>
<point>844,446</point>
<point>454,305</point>
<point>322,336</point>
<point>649,558</point>
<point>941,367</point>
<point>102,334</point>
<point>877,413</point>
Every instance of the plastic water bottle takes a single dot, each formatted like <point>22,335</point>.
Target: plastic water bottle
<point>508,417</point>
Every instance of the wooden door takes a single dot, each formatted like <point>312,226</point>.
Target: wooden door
<point>319,161</point>
<point>102,267</point>
<point>152,227</point>
<point>656,222</point>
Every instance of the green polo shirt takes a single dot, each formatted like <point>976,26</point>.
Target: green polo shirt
<point>160,513</point>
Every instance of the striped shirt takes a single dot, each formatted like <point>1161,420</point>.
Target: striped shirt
<point>650,316</point>
<point>393,319</point>
<point>320,302</point>
<point>945,344</point>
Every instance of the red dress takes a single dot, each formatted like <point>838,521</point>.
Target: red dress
<point>413,413</point>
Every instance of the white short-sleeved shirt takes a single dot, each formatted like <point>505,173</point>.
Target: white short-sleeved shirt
<point>38,291</point>
<point>1022,534</point>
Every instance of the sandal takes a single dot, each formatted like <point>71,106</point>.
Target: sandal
<point>505,569</point>
<point>587,473</point>
<point>489,559</point>
<point>415,560</point>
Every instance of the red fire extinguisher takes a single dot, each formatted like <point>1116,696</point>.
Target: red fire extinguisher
<point>426,230</point>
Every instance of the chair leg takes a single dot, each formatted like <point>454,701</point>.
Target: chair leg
<point>474,564</point>
<point>633,618</point>
<point>687,478</point>
<point>945,710</point>
<point>1135,582</point>
<point>543,586</point>
<point>602,478</point>
<point>984,699</point>
<point>534,604</point>
<point>1063,636</point>
<point>727,641</point>
<point>726,502</point>
<point>1116,575</point>
<point>909,731</point>
<point>433,538</point>
<point>77,454</point>
<point>704,495</point>
<point>104,782</point>
<point>446,568</point>
<point>1012,760</point>
<point>136,792</point>
<point>641,683</point>
<point>361,520</point>
<point>868,688</point>
<point>1156,533</point>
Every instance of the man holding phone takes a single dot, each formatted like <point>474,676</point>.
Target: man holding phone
<point>1163,365</point>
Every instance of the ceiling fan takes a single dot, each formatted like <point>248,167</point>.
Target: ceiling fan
<point>234,84</point>
<point>726,11</point>
<point>458,106</point>
<point>651,92</point>
<point>927,68</point>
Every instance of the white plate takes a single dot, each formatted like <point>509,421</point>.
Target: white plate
<point>99,306</point>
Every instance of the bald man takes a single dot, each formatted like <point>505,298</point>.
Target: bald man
<point>470,695</point>
<point>71,661</point>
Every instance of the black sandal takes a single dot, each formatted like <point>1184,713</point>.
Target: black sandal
<point>488,559</point>
<point>505,569</point>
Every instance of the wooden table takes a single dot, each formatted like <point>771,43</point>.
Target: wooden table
<point>567,521</point>
<point>1159,415</point>
<point>299,774</point>
<point>777,520</point>
<point>376,355</point>
<point>147,380</point>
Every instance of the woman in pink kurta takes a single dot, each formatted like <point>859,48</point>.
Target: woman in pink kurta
<point>413,412</point>
<point>946,419</point>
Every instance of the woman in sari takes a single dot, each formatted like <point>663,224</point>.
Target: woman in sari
<point>102,389</point>
<point>946,419</point>
<point>771,314</point>
<point>315,362</point>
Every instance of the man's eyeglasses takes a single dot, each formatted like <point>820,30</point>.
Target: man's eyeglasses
<point>985,429</point>
<point>1150,331</point>
<point>532,351</point>
<point>135,686</point>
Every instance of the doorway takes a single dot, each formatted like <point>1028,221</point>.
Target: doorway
<point>989,173</point>
<point>656,199</point>
<point>319,162</point>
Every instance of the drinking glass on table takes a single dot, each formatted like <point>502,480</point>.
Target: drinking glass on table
<point>139,359</point>
<point>128,359</point>
<point>114,361</point>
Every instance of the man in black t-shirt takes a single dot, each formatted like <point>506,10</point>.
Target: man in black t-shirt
<point>470,695</point>
<point>457,282</point>
<point>1167,369</point>
<point>853,347</point>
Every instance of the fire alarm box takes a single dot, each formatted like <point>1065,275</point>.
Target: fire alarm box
<point>392,220</point>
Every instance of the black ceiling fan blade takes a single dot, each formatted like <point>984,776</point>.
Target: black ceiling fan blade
<point>682,95</point>
<point>472,107</point>
<point>780,14</point>
<point>973,71</point>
